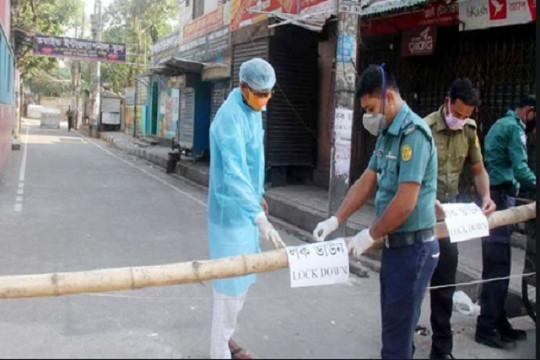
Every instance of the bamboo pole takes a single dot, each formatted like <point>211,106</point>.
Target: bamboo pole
<point>129,278</point>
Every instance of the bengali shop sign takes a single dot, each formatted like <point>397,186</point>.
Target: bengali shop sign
<point>204,24</point>
<point>418,41</point>
<point>483,14</point>
<point>56,46</point>
<point>211,47</point>
<point>247,12</point>
<point>436,14</point>
<point>165,47</point>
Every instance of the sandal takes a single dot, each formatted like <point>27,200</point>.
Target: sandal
<point>237,352</point>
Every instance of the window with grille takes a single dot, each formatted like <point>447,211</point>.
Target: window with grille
<point>198,8</point>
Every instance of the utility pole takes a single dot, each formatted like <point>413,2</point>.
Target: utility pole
<point>95,72</point>
<point>345,87</point>
<point>78,74</point>
<point>74,86</point>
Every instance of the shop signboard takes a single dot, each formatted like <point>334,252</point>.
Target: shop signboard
<point>418,41</point>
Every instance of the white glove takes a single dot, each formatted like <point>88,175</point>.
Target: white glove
<point>325,228</point>
<point>267,231</point>
<point>360,243</point>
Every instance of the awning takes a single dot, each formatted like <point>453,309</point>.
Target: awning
<point>177,66</point>
<point>375,7</point>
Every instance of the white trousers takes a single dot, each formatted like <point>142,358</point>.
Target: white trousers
<point>226,310</point>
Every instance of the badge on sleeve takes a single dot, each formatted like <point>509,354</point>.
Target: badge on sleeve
<point>406,152</point>
<point>523,138</point>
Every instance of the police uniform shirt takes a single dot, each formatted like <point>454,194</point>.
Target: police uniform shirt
<point>506,154</point>
<point>405,152</point>
<point>453,148</point>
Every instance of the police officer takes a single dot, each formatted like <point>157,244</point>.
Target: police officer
<point>402,171</point>
<point>506,163</point>
<point>457,142</point>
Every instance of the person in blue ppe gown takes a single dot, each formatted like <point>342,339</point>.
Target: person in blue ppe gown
<point>237,211</point>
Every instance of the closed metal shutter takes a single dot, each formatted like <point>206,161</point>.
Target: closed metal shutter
<point>292,112</point>
<point>220,91</point>
<point>186,118</point>
<point>499,61</point>
<point>243,52</point>
<point>246,51</point>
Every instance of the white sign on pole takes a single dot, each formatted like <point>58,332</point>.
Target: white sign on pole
<point>323,263</point>
<point>343,122</point>
<point>465,221</point>
<point>350,6</point>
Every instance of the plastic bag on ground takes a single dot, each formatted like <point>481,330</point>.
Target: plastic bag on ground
<point>464,305</point>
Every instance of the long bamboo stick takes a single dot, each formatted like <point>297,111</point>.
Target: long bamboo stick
<point>129,278</point>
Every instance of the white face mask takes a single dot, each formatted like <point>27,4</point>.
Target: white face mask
<point>453,122</point>
<point>374,123</point>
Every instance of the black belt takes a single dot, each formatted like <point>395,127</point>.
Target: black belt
<point>505,188</point>
<point>397,240</point>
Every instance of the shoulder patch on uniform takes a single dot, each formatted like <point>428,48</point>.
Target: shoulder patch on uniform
<point>523,138</point>
<point>431,119</point>
<point>470,122</point>
<point>409,129</point>
<point>406,122</point>
<point>406,152</point>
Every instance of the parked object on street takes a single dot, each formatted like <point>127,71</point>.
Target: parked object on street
<point>34,111</point>
<point>110,110</point>
<point>50,118</point>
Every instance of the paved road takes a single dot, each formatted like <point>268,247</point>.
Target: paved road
<point>70,203</point>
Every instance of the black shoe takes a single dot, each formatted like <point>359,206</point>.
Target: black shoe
<point>494,340</point>
<point>436,355</point>
<point>513,335</point>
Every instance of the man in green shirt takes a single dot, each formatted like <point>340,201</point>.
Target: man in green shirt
<point>457,143</point>
<point>403,173</point>
<point>506,162</point>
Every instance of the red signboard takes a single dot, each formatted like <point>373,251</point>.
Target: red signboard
<point>484,14</point>
<point>245,12</point>
<point>204,24</point>
<point>437,14</point>
<point>419,41</point>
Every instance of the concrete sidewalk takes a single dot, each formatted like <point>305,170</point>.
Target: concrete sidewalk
<point>303,206</point>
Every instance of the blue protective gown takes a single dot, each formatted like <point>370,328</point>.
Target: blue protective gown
<point>236,186</point>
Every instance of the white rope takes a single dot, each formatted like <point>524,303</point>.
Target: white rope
<point>475,282</point>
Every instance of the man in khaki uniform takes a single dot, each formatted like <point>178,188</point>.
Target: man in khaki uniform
<point>457,142</point>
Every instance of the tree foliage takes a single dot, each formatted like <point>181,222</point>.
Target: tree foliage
<point>137,23</point>
<point>54,83</point>
<point>51,17</point>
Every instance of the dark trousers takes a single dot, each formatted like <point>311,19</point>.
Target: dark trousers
<point>404,277</point>
<point>496,261</point>
<point>70,122</point>
<point>441,299</point>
